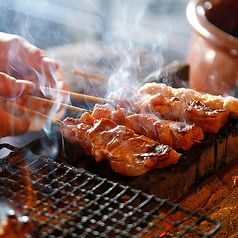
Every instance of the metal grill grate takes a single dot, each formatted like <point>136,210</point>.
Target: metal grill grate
<point>62,201</point>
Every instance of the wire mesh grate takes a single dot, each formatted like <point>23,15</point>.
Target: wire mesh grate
<point>63,201</point>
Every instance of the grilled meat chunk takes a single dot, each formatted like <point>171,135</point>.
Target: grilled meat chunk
<point>196,112</point>
<point>208,119</point>
<point>213,101</point>
<point>175,134</point>
<point>128,153</point>
<point>179,109</point>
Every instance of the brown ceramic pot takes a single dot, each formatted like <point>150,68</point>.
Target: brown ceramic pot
<point>213,53</point>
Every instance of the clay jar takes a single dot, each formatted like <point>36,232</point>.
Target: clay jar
<point>213,52</point>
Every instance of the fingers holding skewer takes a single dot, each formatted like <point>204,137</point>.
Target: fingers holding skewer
<point>73,94</point>
<point>51,102</point>
<point>33,112</point>
<point>21,108</point>
<point>12,125</point>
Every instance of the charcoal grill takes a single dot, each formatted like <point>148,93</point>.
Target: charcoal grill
<point>60,200</point>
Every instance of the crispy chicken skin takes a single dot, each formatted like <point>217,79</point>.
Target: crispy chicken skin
<point>213,101</point>
<point>129,154</point>
<point>175,134</point>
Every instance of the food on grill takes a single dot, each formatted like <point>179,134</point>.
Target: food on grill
<point>212,101</point>
<point>210,120</point>
<point>129,154</point>
<point>126,98</point>
<point>175,134</point>
<point>173,108</point>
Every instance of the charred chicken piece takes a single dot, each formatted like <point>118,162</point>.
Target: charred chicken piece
<point>180,109</point>
<point>208,119</point>
<point>110,112</point>
<point>128,153</point>
<point>175,134</point>
<point>178,135</point>
<point>156,105</point>
<point>213,101</point>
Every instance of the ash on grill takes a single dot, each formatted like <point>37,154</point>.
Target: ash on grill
<point>61,201</point>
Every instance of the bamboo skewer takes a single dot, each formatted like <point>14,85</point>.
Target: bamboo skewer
<point>76,95</point>
<point>32,112</point>
<point>102,79</point>
<point>93,76</point>
<point>64,92</point>
<point>44,116</point>
<point>77,109</point>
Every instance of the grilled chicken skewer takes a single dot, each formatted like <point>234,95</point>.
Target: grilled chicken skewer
<point>213,101</point>
<point>175,134</point>
<point>129,154</point>
<point>172,108</point>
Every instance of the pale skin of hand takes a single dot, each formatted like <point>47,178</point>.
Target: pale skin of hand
<point>23,68</point>
<point>13,123</point>
<point>22,60</point>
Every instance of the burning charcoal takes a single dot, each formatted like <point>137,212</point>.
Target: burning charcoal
<point>174,74</point>
<point>15,226</point>
<point>65,201</point>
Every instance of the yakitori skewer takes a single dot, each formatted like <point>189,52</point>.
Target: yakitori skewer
<point>52,102</point>
<point>76,95</point>
<point>103,79</point>
<point>93,76</point>
<point>33,112</point>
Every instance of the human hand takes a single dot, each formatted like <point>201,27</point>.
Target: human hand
<point>23,60</point>
<point>13,122</point>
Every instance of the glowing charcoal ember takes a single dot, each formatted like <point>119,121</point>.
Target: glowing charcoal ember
<point>14,225</point>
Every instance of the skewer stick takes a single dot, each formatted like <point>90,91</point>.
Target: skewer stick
<point>30,111</point>
<point>76,95</point>
<point>93,76</point>
<point>77,109</point>
<point>102,79</point>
